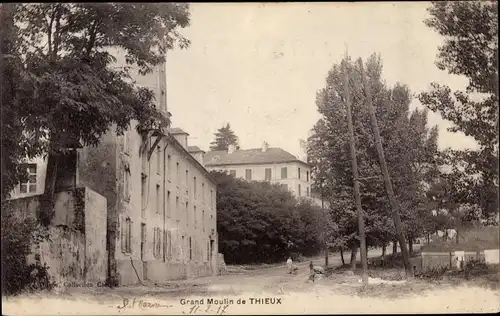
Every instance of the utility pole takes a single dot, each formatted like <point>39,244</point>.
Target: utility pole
<point>387,180</point>
<point>354,163</point>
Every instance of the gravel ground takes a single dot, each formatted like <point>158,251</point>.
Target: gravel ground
<point>340,292</point>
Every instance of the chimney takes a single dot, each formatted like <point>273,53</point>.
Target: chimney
<point>265,146</point>
<point>231,149</point>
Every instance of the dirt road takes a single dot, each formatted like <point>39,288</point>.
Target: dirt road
<point>268,290</point>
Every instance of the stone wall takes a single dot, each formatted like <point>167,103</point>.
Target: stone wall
<point>75,251</point>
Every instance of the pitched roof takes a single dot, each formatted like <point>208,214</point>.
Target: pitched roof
<point>249,156</point>
<point>177,130</point>
<point>195,149</point>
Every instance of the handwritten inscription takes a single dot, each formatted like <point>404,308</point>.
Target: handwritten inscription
<point>209,309</point>
<point>141,304</point>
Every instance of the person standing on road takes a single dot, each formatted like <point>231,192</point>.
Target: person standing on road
<point>289,264</point>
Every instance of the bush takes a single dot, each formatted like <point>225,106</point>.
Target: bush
<point>18,234</point>
<point>260,222</point>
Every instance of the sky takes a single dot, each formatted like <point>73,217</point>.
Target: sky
<point>259,66</point>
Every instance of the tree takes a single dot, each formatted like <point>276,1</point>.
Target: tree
<point>60,81</point>
<point>223,138</point>
<point>470,49</point>
<point>263,222</point>
<point>410,149</point>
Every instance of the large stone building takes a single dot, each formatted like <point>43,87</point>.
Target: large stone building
<point>263,164</point>
<point>160,201</point>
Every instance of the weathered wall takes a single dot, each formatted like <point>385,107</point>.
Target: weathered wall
<point>64,254</point>
<point>97,167</point>
<point>95,237</point>
<point>160,271</point>
<point>75,251</point>
<point>432,260</point>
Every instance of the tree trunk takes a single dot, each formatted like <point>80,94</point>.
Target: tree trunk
<point>410,245</point>
<point>354,252</point>
<point>395,207</point>
<point>342,256</point>
<point>394,247</point>
<point>384,250</point>
<point>326,257</point>
<point>428,238</point>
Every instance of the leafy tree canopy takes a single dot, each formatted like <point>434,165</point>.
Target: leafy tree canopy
<point>58,78</point>
<point>470,49</point>
<point>410,148</point>
<point>223,138</point>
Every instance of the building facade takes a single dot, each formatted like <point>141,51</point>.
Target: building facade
<point>263,164</point>
<point>160,200</point>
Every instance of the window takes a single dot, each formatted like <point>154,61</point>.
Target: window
<point>158,203</point>
<point>232,173</point>
<point>168,204</point>
<point>126,235</point>
<point>126,184</point>
<point>299,190</point>
<point>30,185</point>
<point>190,249</point>
<point>187,213</point>
<point>307,176</point>
<point>211,197</point>
<point>177,206</point>
<point>208,250</point>
<point>298,173</point>
<point>178,173</point>
<point>194,187</point>
<point>283,173</point>
<point>187,181</point>
<point>168,242</point>
<point>194,216</point>
<point>158,159</point>
<point>183,245</point>
<point>307,191</point>
<point>268,174</point>
<point>248,174</point>
<point>203,220</point>
<point>169,166</point>
<point>203,191</point>
<point>157,242</point>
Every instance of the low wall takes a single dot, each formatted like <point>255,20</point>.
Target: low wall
<point>453,260</point>
<point>195,270</point>
<point>76,249</point>
<point>126,274</point>
<point>64,254</point>
<point>433,260</point>
<point>492,256</point>
<point>159,271</point>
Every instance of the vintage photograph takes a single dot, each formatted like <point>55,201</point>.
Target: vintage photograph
<point>162,158</point>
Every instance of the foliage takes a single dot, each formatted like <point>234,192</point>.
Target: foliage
<point>18,236</point>
<point>60,78</point>
<point>223,138</point>
<point>410,149</point>
<point>263,222</point>
<point>470,49</point>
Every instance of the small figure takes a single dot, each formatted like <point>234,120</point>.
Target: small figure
<point>289,264</point>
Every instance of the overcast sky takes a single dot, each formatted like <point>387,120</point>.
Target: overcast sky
<point>258,66</point>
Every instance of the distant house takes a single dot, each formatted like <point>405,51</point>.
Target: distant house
<point>271,164</point>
